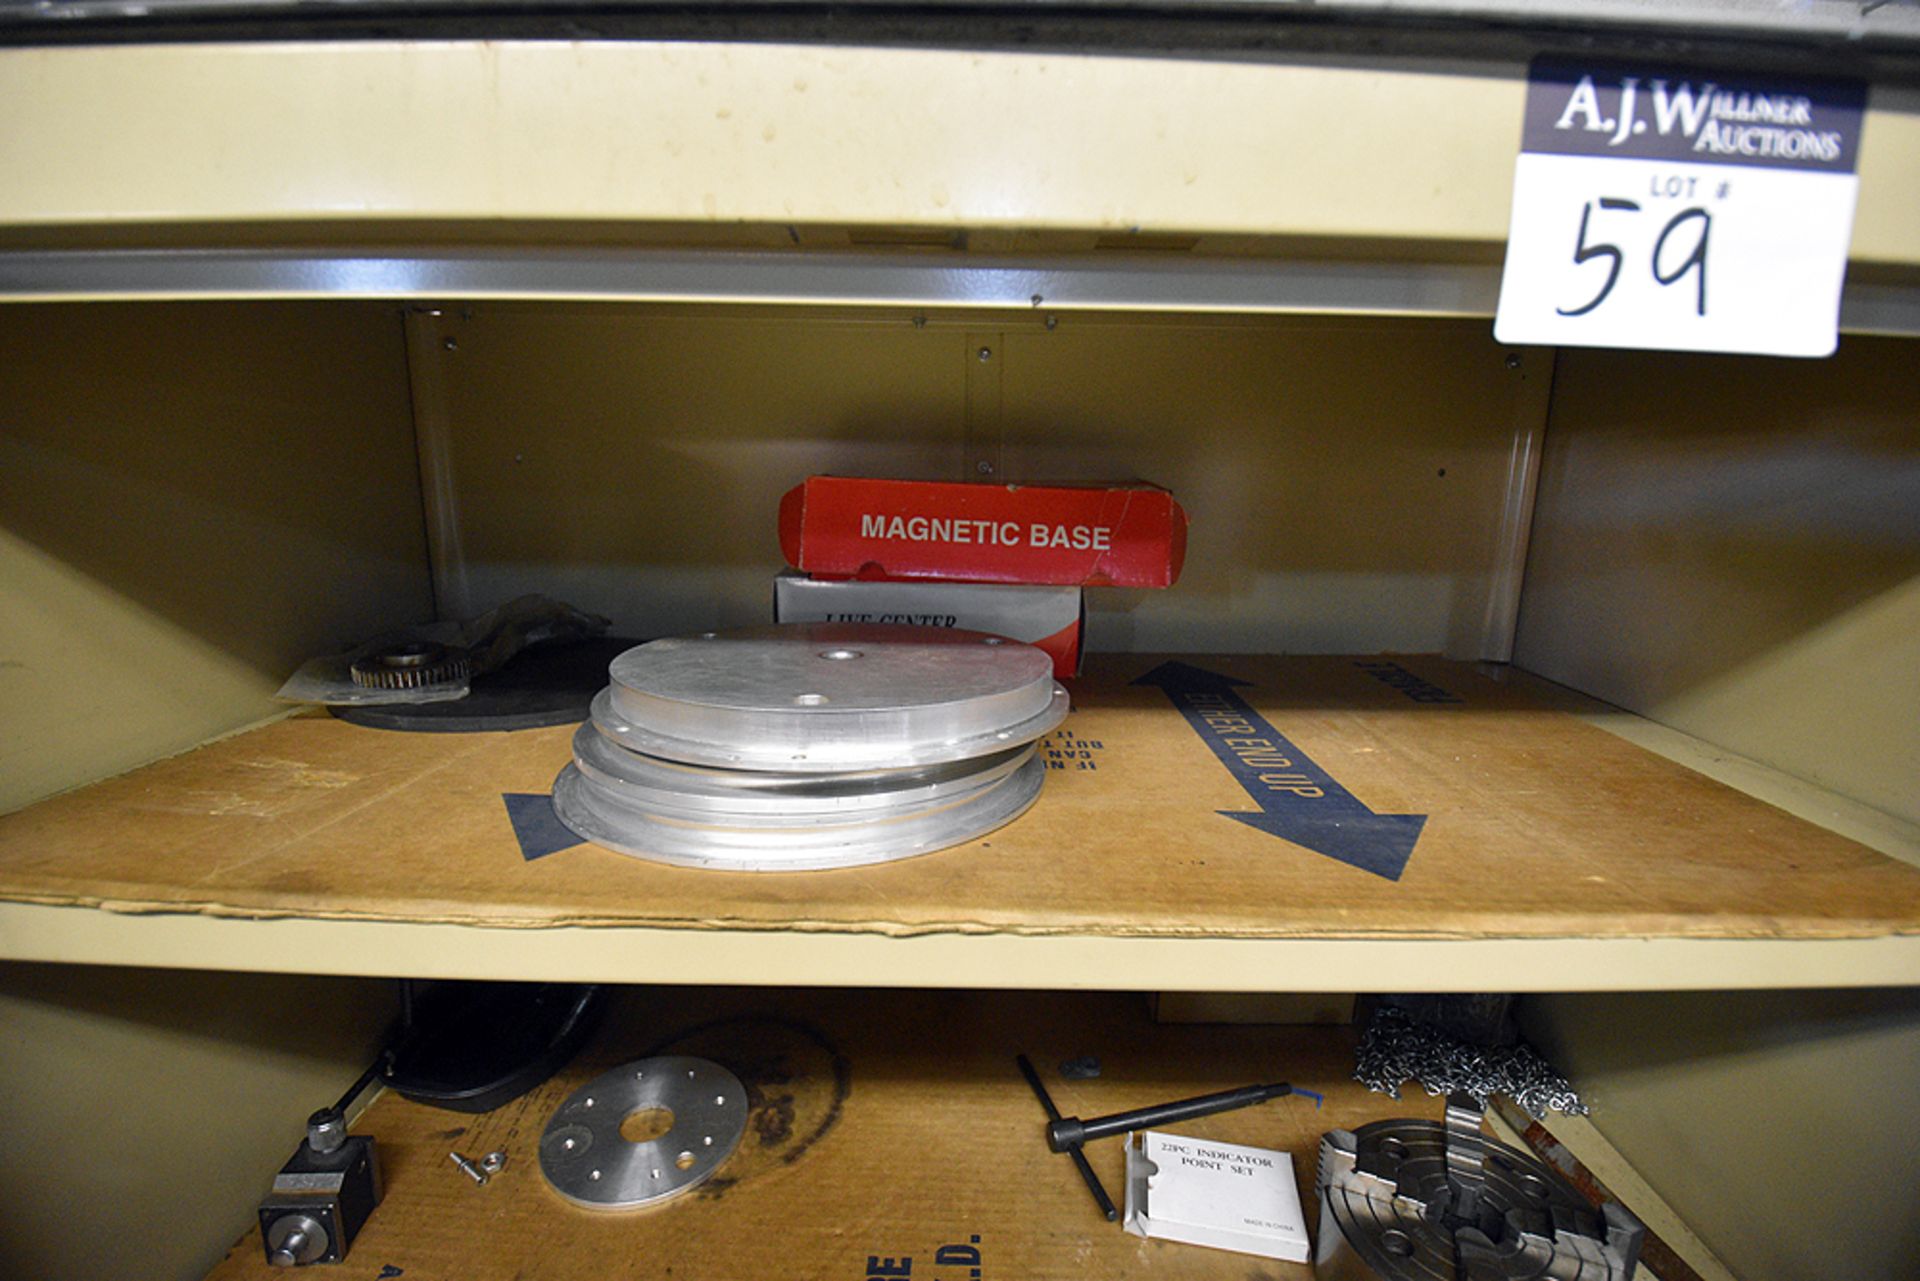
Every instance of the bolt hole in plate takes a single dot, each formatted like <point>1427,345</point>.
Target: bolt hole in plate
<point>586,1153</point>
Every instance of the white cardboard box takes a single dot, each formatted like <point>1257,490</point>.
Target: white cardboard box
<point>1047,617</point>
<point>1222,1195</point>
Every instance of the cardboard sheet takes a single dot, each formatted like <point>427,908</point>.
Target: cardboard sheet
<point>1229,796</point>
<point>885,1128</point>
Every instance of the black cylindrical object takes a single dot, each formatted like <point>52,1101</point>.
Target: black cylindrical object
<point>1071,1132</point>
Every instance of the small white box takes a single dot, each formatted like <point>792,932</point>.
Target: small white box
<point>1214,1194</point>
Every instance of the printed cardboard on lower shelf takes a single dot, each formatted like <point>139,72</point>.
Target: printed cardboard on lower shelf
<point>1048,618</point>
<point>890,1137</point>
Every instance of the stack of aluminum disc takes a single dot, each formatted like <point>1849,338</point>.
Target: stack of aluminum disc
<point>810,745</point>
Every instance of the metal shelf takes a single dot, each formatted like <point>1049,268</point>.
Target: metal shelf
<point>335,849</point>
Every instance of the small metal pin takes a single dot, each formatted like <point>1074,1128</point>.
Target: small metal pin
<point>467,1167</point>
<point>986,353</point>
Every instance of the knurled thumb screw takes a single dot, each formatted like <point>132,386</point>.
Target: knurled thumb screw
<point>326,1130</point>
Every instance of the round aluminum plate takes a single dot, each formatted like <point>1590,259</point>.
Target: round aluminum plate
<point>826,697</point>
<point>710,795</point>
<point>585,1159</point>
<point>619,805</point>
<point>733,778</point>
<point>824,757</point>
<point>589,812</point>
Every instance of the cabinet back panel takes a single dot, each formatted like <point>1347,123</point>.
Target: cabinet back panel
<point>1346,479</point>
<point>1731,546</point>
<point>193,499</point>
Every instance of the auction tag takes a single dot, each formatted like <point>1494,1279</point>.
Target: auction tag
<point>1677,210</point>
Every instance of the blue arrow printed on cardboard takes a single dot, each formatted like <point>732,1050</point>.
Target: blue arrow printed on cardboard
<point>535,825</point>
<point>1299,801</point>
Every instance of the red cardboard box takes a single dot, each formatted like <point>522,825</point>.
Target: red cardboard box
<point>843,527</point>
<point>1048,618</point>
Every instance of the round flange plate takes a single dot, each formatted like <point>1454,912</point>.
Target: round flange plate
<point>586,1160</point>
<point>828,697</point>
<point>589,811</point>
<point>749,797</point>
<point>780,781</point>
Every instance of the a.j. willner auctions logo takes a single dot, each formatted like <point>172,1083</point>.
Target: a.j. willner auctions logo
<point>1716,121</point>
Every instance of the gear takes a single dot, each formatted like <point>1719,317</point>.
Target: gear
<point>414,665</point>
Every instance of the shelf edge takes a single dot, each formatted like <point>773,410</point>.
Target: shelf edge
<point>1103,282</point>
<point>30,932</point>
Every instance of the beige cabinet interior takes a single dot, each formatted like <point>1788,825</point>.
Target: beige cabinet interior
<point>1731,546</point>
<point>196,496</point>
<point>193,500</point>
<point>1353,473</point>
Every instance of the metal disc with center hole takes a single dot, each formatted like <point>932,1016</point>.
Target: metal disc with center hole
<point>691,792</point>
<point>589,811</point>
<point>829,697</point>
<point>586,1160</point>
